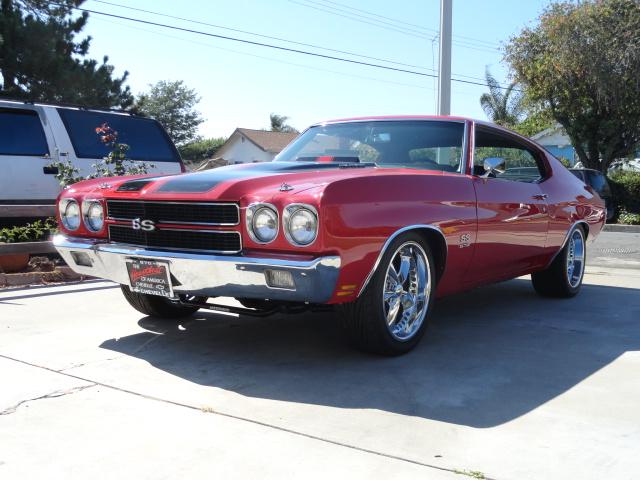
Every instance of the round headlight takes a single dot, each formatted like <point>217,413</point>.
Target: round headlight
<point>71,215</point>
<point>93,215</point>
<point>264,224</point>
<point>302,226</point>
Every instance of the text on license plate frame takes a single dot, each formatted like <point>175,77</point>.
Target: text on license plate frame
<point>151,277</point>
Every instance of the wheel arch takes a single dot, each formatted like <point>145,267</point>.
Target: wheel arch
<point>432,235</point>
<point>578,224</point>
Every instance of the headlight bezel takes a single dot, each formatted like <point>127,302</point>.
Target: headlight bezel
<point>289,212</point>
<point>87,204</point>
<point>252,212</point>
<point>63,206</point>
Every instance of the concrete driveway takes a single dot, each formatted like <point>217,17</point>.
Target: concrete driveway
<point>506,385</point>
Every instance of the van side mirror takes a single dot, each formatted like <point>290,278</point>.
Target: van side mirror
<point>493,165</point>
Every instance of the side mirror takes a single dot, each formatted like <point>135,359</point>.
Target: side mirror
<point>493,165</point>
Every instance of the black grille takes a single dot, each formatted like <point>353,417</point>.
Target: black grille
<point>214,241</point>
<point>175,212</point>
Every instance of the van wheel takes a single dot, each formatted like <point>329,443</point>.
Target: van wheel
<point>390,316</point>
<point>156,306</point>
<point>563,278</point>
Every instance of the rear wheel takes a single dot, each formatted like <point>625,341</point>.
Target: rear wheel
<point>390,316</point>
<point>563,278</point>
<point>160,307</point>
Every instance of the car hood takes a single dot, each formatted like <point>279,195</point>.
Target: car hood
<point>231,182</point>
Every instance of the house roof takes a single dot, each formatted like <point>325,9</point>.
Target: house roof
<point>557,128</point>
<point>268,141</point>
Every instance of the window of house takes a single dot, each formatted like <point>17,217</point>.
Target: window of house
<point>521,163</point>
<point>21,133</point>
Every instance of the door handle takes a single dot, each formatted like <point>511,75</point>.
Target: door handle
<point>540,196</point>
<point>50,170</point>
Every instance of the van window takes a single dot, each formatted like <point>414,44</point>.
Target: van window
<point>146,139</point>
<point>21,133</point>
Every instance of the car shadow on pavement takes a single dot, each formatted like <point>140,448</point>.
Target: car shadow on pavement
<point>490,355</point>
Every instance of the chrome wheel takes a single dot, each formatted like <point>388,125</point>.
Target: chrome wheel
<point>407,288</point>
<point>575,258</point>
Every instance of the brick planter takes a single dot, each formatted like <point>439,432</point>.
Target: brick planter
<point>59,275</point>
<point>13,262</point>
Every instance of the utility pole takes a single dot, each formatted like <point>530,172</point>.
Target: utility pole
<point>444,73</point>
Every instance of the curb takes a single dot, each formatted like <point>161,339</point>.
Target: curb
<point>614,227</point>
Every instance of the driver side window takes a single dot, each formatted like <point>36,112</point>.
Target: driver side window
<point>520,163</point>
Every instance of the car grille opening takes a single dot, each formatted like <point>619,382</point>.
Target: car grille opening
<point>182,239</point>
<point>195,213</point>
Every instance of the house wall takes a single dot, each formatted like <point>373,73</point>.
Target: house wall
<point>239,151</point>
<point>566,152</point>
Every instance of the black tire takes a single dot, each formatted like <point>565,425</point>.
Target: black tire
<point>155,306</point>
<point>364,320</point>
<point>554,280</point>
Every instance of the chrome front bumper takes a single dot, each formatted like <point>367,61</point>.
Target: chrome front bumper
<point>208,275</point>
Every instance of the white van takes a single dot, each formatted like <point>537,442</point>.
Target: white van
<point>34,135</point>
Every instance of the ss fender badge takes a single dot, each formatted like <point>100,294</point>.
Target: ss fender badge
<point>465,240</point>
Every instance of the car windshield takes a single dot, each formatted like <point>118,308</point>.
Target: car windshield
<point>421,144</point>
<point>145,137</point>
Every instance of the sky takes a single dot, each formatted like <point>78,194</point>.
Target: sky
<point>240,84</point>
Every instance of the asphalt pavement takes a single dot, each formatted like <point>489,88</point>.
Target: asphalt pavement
<point>505,385</point>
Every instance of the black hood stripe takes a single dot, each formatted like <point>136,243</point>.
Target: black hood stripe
<point>201,182</point>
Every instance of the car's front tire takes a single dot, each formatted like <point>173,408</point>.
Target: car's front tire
<point>390,316</point>
<point>156,306</point>
<point>563,278</point>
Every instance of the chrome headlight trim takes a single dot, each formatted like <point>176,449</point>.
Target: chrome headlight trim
<point>289,211</point>
<point>87,205</point>
<point>254,209</point>
<point>63,208</point>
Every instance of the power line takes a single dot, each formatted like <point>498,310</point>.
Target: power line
<point>266,45</point>
<point>403,22</point>
<point>388,26</point>
<point>319,69</point>
<point>199,22</point>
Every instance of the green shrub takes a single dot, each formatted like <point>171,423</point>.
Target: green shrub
<point>32,232</point>
<point>625,186</point>
<point>201,149</point>
<point>628,218</point>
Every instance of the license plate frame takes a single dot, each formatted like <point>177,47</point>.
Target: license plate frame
<point>151,277</point>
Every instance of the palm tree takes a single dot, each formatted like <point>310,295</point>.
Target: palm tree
<point>279,124</point>
<point>503,106</point>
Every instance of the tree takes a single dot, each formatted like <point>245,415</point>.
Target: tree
<point>502,106</point>
<point>173,105</point>
<point>279,124</point>
<point>582,60</point>
<point>200,150</point>
<point>40,59</point>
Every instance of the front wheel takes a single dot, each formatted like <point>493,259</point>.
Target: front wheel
<point>390,316</point>
<point>563,278</point>
<point>156,306</point>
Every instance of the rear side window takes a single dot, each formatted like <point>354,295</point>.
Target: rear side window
<point>21,133</point>
<point>146,139</point>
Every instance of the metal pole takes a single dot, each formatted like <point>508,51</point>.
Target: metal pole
<point>444,74</point>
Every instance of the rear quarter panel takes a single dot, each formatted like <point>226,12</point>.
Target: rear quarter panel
<point>569,201</point>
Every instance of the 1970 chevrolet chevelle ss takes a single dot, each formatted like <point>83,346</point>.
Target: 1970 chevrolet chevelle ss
<point>377,216</point>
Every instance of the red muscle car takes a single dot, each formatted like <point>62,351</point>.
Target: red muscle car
<point>377,216</point>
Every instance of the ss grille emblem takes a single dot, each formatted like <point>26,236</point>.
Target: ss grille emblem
<point>146,225</point>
